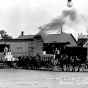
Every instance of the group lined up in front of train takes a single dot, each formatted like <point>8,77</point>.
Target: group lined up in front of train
<point>31,62</point>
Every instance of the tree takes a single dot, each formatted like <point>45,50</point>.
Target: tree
<point>4,35</point>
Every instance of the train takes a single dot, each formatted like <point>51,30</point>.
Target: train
<point>69,59</point>
<point>43,56</point>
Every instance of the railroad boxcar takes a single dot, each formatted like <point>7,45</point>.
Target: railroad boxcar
<point>22,47</point>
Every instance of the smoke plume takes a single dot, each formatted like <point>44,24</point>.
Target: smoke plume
<point>59,22</point>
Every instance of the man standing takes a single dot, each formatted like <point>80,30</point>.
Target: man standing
<point>57,56</point>
<point>57,53</point>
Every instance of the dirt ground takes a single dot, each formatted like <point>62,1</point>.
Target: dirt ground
<point>18,78</point>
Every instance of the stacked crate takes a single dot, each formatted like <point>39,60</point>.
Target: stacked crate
<point>9,57</point>
<point>46,57</point>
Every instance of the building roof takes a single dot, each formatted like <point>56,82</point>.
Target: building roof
<point>61,38</point>
<point>82,36</point>
<point>29,37</point>
<point>25,37</point>
<point>82,39</point>
<point>51,38</point>
<point>15,40</point>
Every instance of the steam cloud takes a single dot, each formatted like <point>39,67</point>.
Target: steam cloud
<point>59,22</point>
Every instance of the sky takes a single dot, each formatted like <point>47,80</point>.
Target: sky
<point>31,15</point>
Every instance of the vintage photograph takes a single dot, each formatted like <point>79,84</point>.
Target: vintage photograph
<point>43,43</point>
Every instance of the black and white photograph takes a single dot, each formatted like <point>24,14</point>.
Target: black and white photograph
<point>43,43</point>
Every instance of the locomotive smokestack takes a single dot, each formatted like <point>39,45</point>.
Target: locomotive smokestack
<point>22,33</point>
<point>61,31</point>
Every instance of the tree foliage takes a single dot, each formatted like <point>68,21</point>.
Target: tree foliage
<point>4,35</point>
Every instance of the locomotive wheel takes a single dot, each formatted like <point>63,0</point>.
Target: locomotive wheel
<point>49,66</point>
